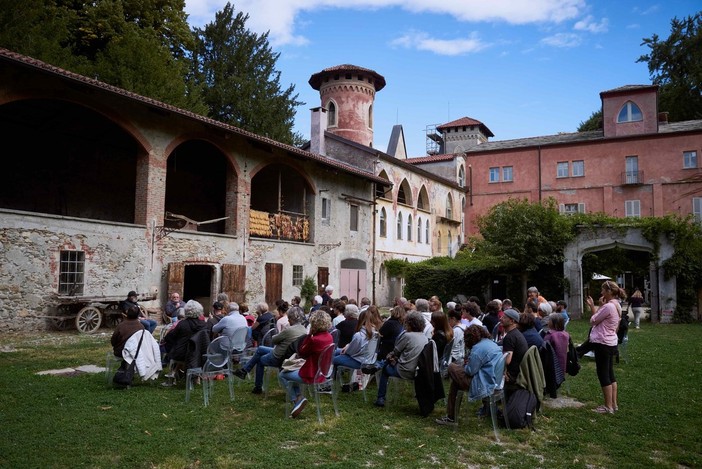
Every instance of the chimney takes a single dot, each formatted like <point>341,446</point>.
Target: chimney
<point>319,126</point>
<point>662,117</point>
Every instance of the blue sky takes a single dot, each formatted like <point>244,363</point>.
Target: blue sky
<point>524,68</point>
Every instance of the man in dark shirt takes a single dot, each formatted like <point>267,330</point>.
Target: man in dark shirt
<point>347,327</point>
<point>125,329</point>
<point>515,346</point>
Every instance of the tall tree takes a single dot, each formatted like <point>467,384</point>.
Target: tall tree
<point>594,122</point>
<point>138,45</point>
<point>241,86</point>
<point>676,65</point>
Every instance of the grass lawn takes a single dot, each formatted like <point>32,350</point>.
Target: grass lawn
<point>76,421</point>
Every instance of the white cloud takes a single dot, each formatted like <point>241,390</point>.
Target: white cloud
<point>587,24</point>
<point>279,16</point>
<point>562,40</point>
<point>422,41</point>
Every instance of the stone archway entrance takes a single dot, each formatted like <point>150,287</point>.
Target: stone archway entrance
<point>663,292</point>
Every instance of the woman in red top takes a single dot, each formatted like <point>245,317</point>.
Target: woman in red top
<point>310,349</point>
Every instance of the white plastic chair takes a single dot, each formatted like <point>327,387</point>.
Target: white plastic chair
<point>325,385</point>
<point>217,362</point>
<point>369,358</point>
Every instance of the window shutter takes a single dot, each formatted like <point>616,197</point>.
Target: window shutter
<point>581,208</point>
<point>561,208</point>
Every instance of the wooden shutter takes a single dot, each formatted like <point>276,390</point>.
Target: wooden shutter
<point>176,278</point>
<point>234,282</point>
<point>274,283</point>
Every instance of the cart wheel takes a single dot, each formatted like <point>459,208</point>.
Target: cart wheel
<point>113,315</point>
<point>61,322</point>
<point>88,319</point>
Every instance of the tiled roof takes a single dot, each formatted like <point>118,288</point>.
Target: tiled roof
<point>316,79</point>
<point>578,137</point>
<point>51,69</point>
<point>627,88</point>
<point>432,158</point>
<point>466,121</point>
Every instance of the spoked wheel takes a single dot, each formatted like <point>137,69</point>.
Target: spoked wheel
<point>88,319</point>
<point>113,315</point>
<point>61,322</point>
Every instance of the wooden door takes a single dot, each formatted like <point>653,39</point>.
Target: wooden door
<point>322,277</point>
<point>176,279</point>
<point>352,283</point>
<point>234,282</point>
<point>274,283</point>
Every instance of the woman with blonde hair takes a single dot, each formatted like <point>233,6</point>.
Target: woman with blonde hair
<point>636,301</point>
<point>603,337</point>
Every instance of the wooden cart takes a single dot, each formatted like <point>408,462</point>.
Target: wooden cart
<point>88,313</point>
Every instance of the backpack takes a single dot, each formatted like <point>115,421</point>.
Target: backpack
<point>520,409</point>
<point>572,363</point>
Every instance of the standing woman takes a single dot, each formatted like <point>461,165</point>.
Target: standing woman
<point>604,322</point>
<point>636,302</point>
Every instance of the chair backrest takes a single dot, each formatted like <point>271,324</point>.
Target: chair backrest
<point>218,354</point>
<point>500,371</point>
<point>446,355</point>
<point>335,335</point>
<point>267,339</point>
<point>238,339</point>
<point>324,364</point>
<point>371,354</point>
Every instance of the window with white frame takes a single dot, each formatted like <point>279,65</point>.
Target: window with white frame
<point>409,227</point>
<point>419,229</point>
<point>326,210</point>
<point>689,159</point>
<point>449,207</point>
<point>562,169</point>
<point>399,225</point>
<point>71,273</point>
<point>506,174</point>
<point>632,208</point>
<point>426,232</point>
<point>630,112</point>
<point>383,223</point>
<point>353,217</point>
<point>461,176</point>
<point>697,209</point>
<point>571,209</point>
<point>450,242</point>
<point>632,170</point>
<point>578,168</point>
<point>494,174</point>
<point>297,275</point>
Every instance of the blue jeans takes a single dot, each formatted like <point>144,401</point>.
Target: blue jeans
<point>388,371</point>
<point>149,325</point>
<point>263,358</point>
<point>294,377</point>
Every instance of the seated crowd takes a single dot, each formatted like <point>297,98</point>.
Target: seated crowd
<point>472,342</point>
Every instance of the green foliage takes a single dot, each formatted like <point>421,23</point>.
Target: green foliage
<point>308,290</point>
<point>675,65</point>
<point>236,70</point>
<point>594,122</point>
<point>396,267</point>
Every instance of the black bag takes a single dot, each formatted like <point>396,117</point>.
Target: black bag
<point>125,374</point>
<point>520,409</point>
<point>572,362</point>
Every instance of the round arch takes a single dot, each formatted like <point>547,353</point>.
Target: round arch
<point>663,291</point>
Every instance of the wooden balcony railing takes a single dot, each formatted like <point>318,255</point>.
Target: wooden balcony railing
<point>287,226</point>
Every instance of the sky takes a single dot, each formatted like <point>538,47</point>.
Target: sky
<point>524,68</point>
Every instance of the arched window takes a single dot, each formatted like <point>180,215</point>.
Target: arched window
<point>426,233</point>
<point>419,229</point>
<point>449,207</point>
<point>399,225</point>
<point>449,244</point>
<point>383,223</point>
<point>630,112</point>
<point>409,227</point>
<point>423,199</point>
<point>381,190</point>
<point>404,193</point>
<point>370,116</point>
<point>461,176</point>
<point>331,114</point>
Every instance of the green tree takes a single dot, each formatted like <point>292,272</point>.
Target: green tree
<point>527,236</point>
<point>241,86</point>
<point>676,65</point>
<point>138,45</point>
<point>594,122</point>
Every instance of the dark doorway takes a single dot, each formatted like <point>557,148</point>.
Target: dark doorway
<point>198,284</point>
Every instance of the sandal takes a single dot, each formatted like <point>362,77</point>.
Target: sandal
<point>603,410</point>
